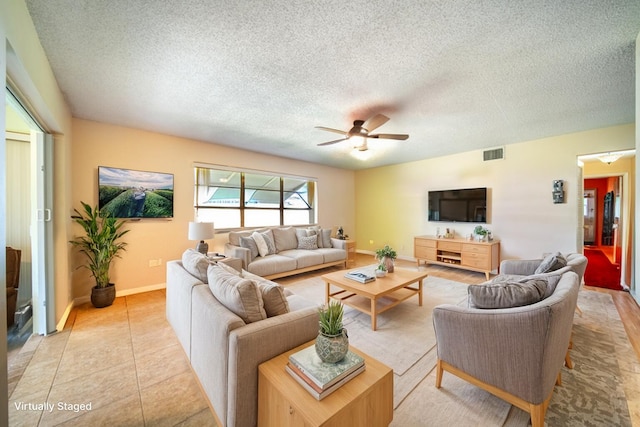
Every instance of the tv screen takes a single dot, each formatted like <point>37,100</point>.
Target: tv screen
<point>465,205</point>
<point>126,193</point>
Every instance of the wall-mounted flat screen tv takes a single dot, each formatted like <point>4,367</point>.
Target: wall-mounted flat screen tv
<point>464,205</point>
<point>126,193</point>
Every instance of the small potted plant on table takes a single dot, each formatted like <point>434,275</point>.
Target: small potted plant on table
<point>386,256</point>
<point>332,343</point>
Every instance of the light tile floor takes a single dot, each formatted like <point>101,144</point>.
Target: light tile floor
<point>123,362</point>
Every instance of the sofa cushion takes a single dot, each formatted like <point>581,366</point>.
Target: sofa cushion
<point>325,235</point>
<point>551,262</point>
<point>308,242</point>
<point>274,296</point>
<point>285,238</point>
<point>304,258</point>
<point>196,264</point>
<point>263,248</point>
<point>332,254</point>
<point>250,243</point>
<point>239,295</point>
<point>507,294</point>
<point>275,301</point>
<point>272,264</point>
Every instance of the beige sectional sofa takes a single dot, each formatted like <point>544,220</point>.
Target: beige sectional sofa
<point>288,250</point>
<point>223,347</point>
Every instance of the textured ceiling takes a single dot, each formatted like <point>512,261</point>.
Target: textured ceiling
<point>454,75</point>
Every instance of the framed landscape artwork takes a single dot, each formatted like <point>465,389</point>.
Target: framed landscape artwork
<point>127,193</point>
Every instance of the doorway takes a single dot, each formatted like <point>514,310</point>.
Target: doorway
<point>27,178</point>
<point>608,218</point>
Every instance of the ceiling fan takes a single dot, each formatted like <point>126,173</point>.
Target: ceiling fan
<point>360,131</point>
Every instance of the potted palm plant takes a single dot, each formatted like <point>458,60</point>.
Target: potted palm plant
<point>100,244</point>
<point>386,256</point>
<point>332,343</point>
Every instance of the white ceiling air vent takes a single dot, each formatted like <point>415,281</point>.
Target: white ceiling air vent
<point>493,154</point>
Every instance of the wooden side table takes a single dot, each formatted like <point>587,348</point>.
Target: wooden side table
<point>366,400</point>
<point>351,253</point>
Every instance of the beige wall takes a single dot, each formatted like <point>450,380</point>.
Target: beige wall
<point>391,202</point>
<point>98,144</point>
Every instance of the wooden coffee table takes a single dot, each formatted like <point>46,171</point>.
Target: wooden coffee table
<point>377,296</point>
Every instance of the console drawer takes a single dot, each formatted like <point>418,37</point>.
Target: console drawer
<point>427,243</point>
<point>449,246</point>
<point>422,252</point>
<point>478,249</point>
<point>476,260</point>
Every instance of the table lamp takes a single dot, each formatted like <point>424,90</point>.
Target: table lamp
<point>201,231</point>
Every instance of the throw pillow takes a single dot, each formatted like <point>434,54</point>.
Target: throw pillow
<point>263,249</point>
<point>507,294</point>
<point>275,301</point>
<point>249,243</point>
<point>326,237</point>
<point>240,296</point>
<point>552,282</point>
<point>309,242</point>
<point>551,262</point>
<point>285,238</point>
<point>196,264</point>
<point>268,239</point>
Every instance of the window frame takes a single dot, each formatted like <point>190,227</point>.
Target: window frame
<point>243,206</point>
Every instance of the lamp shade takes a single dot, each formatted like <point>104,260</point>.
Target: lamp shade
<point>201,230</point>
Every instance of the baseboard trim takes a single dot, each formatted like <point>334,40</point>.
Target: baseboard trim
<point>372,253</point>
<point>65,316</point>
<point>124,293</point>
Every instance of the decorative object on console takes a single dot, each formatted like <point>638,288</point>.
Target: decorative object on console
<point>332,343</point>
<point>386,256</point>
<point>340,235</point>
<point>481,233</point>
<point>101,245</point>
<point>201,231</point>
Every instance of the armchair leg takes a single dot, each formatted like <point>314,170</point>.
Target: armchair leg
<point>439,374</point>
<point>567,358</point>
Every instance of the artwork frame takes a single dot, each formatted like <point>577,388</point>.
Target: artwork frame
<point>135,194</point>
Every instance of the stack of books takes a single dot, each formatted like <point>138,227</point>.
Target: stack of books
<point>319,378</point>
<point>360,276</point>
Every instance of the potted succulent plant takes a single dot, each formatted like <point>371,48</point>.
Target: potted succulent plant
<point>100,244</point>
<point>381,270</point>
<point>332,343</point>
<point>386,256</point>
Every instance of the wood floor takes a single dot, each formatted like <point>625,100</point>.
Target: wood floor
<point>627,307</point>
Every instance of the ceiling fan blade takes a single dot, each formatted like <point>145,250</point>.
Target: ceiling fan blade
<point>375,122</point>
<point>331,130</point>
<point>390,136</point>
<point>332,142</point>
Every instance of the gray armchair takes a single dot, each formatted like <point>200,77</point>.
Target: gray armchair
<point>515,353</point>
<point>526,267</point>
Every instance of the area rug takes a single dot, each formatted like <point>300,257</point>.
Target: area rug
<point>594,393</point>
<point>600,271</point>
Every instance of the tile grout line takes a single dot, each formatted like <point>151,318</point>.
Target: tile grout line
<point>135,361</point>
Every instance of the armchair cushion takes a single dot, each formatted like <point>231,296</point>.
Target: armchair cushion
<point>239,295</point>
<point>551,262</point>
<point>507,294</point>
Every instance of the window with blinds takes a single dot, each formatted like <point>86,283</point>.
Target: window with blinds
<point>236,199</point>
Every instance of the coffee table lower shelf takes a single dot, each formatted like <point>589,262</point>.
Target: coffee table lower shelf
<point>365,305</point>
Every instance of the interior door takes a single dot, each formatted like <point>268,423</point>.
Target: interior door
<point>42,233</point>
<point>590,216</point>
<point>608,219</point>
